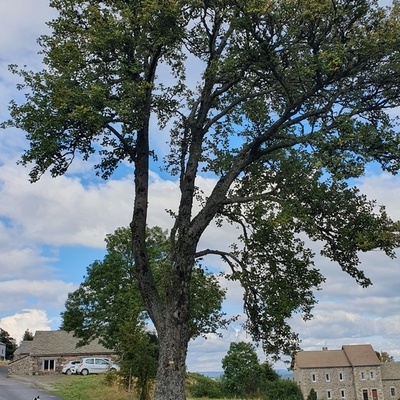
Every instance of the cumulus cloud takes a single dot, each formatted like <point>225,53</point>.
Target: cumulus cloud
<point>23,293</point>
<point>31,319</point>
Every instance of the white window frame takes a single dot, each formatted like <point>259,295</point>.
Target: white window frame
<point>372,374</point>
<point>393,391</point>
<point>327,377</point>
<point>48,361</point>
<point>342,393</point>
<point>362,375</point>
<point>313,377</point>
<point>329,394</point>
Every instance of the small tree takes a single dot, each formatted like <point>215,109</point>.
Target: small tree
<point>140,357</point>
<point>312,395</point>
<point>243,374</point>
<point>384,356</point>
<point>28,336</point>
<point>269,373</point>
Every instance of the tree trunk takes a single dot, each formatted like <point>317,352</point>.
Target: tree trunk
<point>171,371</point>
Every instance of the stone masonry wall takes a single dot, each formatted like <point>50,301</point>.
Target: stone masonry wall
<point>391,389</point>
<point>329,383</point>
<point>368,380</point>
<point>22,366</point>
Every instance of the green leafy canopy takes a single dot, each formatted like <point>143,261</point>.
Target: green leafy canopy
<point>283,102</point>
<point>108,304</point>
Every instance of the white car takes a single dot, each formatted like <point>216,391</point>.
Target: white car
<point>69,368</point>
<point>93,365</point>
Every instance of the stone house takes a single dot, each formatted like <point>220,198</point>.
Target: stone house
<point>352,373</point>
<point>49,351</point>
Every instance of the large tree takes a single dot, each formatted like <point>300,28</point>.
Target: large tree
<point>284,102</point>
<point>108,304</point>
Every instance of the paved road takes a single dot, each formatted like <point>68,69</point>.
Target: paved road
<point>14,389</point>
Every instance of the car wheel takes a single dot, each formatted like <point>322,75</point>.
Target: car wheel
<point>68,372</point>
<point>85,372</point>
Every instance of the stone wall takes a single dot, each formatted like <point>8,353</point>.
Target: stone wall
<point>329,383</point>
<point>391,389</point>
<point>368,379</point>
<point>22,366</point>
<point>353,383</point>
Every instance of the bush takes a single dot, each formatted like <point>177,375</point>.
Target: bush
<point>202,386</point>
<point>283,389</point>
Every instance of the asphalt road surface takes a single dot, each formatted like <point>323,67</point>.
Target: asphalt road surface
<point>14,389</point>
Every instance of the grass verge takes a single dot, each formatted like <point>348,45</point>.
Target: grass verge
<point>94,387</point>
<point>91,387</point>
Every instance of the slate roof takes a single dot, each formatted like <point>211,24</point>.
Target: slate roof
<point>322,359</point>
<point>390,371</point>
<point>51,343</point>
<point>361,355</point>
<point>24,348</point>
<point>348,356</point>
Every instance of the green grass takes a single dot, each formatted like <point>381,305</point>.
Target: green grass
<point>91,387</point>
<point>94,387</point>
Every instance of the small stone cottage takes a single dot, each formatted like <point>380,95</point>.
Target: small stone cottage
<point>49,351</point>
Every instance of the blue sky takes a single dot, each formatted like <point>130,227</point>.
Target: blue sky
<point>52,230</point>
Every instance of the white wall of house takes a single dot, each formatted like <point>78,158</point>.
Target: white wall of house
<point>2,351</point>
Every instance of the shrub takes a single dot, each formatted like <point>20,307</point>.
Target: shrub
<point>283,389</point>
<point>202,386</point>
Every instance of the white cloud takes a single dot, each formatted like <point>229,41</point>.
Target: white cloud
<point>63,211</point>
<point>31,319</point>
<point>23,293</point>
<point>22,23</point>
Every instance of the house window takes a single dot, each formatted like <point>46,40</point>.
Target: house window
<point>327,377</point>
<point>49,365</point>
<point>343,394</point>
<point>365,394</point>
<point>362,375</point>
<point>340,376</point>
<point>328,394</point>
<point>392,391</point>
<point>314,378</point>
<point>372,374</point>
